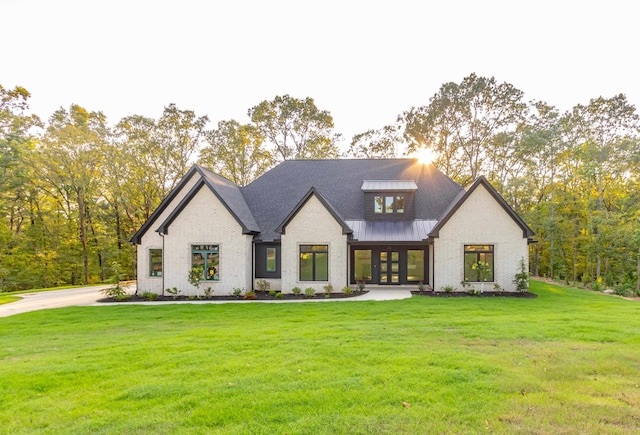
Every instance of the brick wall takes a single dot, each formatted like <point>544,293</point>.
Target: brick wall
<point>479,221</point>
<point>313,225</point>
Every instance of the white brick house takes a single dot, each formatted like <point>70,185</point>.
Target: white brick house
<point>309,223</point>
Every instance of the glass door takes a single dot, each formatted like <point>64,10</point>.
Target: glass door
<point>389,267</point>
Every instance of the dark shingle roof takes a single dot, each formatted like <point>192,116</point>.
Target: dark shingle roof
<point>276,193</point>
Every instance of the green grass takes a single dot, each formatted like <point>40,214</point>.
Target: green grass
<point>5,299</point>
<point>566,362</point>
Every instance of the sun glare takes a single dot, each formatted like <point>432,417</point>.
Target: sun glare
<point>424,155</point>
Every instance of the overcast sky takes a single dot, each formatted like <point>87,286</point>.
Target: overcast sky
<point>364,61</point>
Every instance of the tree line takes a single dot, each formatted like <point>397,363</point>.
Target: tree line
<point>74,188</point>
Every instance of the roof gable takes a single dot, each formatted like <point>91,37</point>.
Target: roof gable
<point>465,194</point>
<point>226,191</point>
<point>324,202</point>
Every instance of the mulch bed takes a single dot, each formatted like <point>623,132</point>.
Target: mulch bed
<point>260,296</point>
<point>481,295</point>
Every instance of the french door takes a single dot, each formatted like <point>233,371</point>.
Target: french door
<point>389,267</point>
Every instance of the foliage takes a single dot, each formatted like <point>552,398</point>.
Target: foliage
<point>236,152</point>
<point>361,285</point>
<point>328,289</point>
<point>263,285</point>
<point>309,292</point>
<point>421,286</point>
<point>521,280</point>
<point>249,294</point>
<point>347,290</point>
<point>385,143</point>
<point>295,129</point>
<point>173,292</point>
<point>237,292</point>
<point>208,292</point>
<point>117,291</point>
<point>150,296</point>
<point>272,292</point>
<point>296,291</point>
<point>448,289</point>
<point>279,295</point>
<point>195,277</point>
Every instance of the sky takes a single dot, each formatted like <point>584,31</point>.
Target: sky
<point>365,62</point>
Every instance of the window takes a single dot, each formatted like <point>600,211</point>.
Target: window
<point>478,263</point>
<point>388,204</point>
<point>271,260</point>
<point>314,263</point>
<point>362,264</point>
<point>415,265</point>
<point>206,257</point>
<point>155,262</point>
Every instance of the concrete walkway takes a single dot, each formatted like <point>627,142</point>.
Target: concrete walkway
<point>88,296</point>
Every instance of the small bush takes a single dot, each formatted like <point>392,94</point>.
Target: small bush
<point>421,286</point>
<point>328,289</point>
<point>173,292</point>
<point>272,292</point>
<point>473,291</point>
<point>296,291</point>
<point>249,295</point>
<point>521,279</point>
<point>347,290</point>
<point>309,292</point>
<point>150,296</point>
<point>208,292</point>
<point>263,285</point>
<point>279,295</point>
<point>361,285</point>
<point>623,290</point>
<point>497,288</point>
<point>237,292</point>
<point>448,289</point>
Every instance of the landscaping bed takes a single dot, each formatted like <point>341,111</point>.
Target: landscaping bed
<point>259,296</point>
<point>489,294</point>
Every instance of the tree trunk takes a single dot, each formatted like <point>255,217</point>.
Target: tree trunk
<point>83,236</point>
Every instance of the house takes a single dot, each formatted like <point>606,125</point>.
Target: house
<point>309,223</point>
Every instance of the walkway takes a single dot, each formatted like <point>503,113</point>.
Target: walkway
<point>88,296</point>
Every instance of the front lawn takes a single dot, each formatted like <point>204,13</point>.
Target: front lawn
<point>565,362</point>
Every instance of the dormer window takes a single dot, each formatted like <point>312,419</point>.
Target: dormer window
<point>389,200</point>
<point>388,204</point>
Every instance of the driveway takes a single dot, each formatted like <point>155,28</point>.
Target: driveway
<point>89,296</point>
<point>52,299</point>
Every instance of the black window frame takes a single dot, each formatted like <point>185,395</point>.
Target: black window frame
<point>481,251</point>
<point>382,200</point>
<point>151,263</point>
<point>309,249</point>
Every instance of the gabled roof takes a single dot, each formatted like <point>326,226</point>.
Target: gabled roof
<point>314,192</point>
<point>462,197</point>
<point>276,193</point>
<point>226,191</point>
<point>137,237</point>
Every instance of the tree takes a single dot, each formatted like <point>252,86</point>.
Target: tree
<point>295,129</point>
<point>384,143</point>
<point>462,122</point>
<point>236,152</point>
<point>69,163</point>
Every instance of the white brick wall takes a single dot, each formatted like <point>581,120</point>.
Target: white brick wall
<point>205,220</point>
<point>313,225</point>
<point>479,221</point>
<point>153,240</point>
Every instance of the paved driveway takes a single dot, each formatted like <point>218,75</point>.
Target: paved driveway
<point>52,299</point>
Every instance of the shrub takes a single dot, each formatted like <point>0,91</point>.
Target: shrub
<point>150,296</point>
<point>421,286</point>
<point>237,292</point>
<point>208,292</point>
<point>309,292</point>
<point>328,289</point>
<point>473,291</point>
<point>117,291</point>
<point>263,285</point>
<point>194,276</point>
<point>465,284</point>
<point>361,285</point>
<point>496,287</point>
<point>521,279</point>
<point>279,295</point>
<point>623,290</point>
<point>249,295</point>
<point>296,291</point>
<point>347,290</point>
<point>448,289</point>
<point>272,292</point>
<point>173,292</point>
